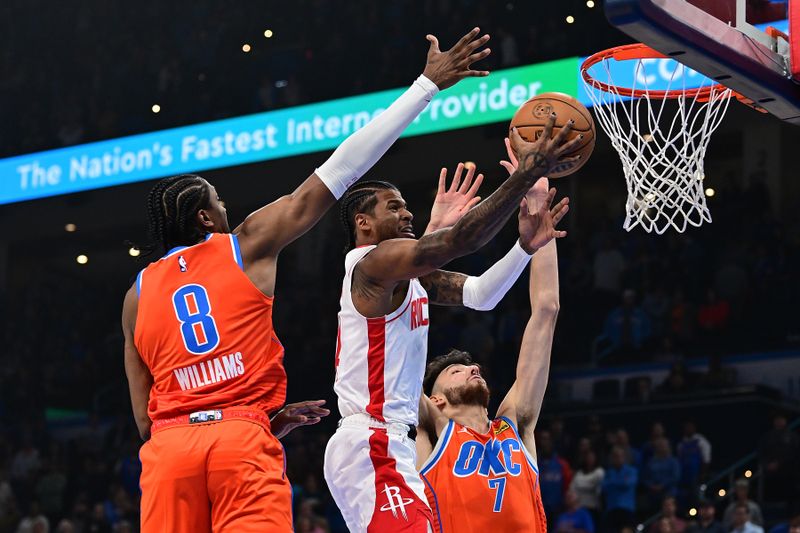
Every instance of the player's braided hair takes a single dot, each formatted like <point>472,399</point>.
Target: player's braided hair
<point>439,363</point>
<point>171,208</point>
<point>360,198</point>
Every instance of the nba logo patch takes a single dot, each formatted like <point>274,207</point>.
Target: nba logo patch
<point>182,264</point>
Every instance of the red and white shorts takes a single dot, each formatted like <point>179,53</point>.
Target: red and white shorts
<point>371,472</point>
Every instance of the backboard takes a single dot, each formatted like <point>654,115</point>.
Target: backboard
<point>725,40</point>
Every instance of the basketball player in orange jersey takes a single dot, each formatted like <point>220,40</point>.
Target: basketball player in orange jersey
<point>480,473</point>
<point>203,362</point>
<point>390,278</point>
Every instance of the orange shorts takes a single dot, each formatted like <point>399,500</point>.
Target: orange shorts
<point>219,476</point>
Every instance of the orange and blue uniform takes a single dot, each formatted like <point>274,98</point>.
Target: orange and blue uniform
<point>205,332</point>
<point>483,481</point>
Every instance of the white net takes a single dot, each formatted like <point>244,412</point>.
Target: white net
<point>662,151</point>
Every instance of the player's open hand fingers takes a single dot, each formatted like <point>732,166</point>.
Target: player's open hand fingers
<point>442,181</point>
<point>523,207</point>
<point>456,178</point>
<point>465,39</point>
<point>547,134</point>
<point>434,47</point>
<point>471,46</point>
<point>562,211</point>
<point>564,133</point>
<point>508,166</point>
<point>512,157</point>
<point>474,58</point>
<point>517,143</point>
<point>467,180</point>
<point>559,210</point>
<point>475,186</point>
<point>472,203</point>
<point>569,146</point>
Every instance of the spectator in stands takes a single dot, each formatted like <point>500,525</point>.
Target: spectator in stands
<point>633,456</point>
<point>677,381</point>
<point>575,518</point>
<point>713,314</point>
<point>694,456</point>
<point>741,496</point>
<point>657,432</point>
<point>662,525</point>
<point>741,521</point>
<point>8,504</point>
<point>779,454</point>
<point>707,521</point>
<point>627,327</point>
<point>555,474</point>
<point>609,265</point>
<point>562,441</point>
<point>669,509</point>
<point>718,376</point>
<point>682,318</point>
<point>619,491</point>
<point>792,526</point>
<point>587,483</point>
<point>34,521</point>
<point>661,474</point>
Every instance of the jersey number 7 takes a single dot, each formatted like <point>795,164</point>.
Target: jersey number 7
<point>498,484</point>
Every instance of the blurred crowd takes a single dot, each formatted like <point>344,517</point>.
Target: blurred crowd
<point>89,72</point>
<point>83,477</point>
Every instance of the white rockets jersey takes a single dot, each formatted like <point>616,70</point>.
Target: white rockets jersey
<point>380,362</point>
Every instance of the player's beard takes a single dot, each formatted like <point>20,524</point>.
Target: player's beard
<point>470,394</point>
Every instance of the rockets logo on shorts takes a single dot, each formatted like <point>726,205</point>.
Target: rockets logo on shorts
<point>395,501</point>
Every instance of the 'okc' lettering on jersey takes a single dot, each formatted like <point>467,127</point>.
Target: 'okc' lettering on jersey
<point>495,458</point>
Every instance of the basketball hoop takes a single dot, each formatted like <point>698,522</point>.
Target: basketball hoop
<point>662,156</point>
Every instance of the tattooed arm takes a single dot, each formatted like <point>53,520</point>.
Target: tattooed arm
<point>444,288</point>
<point>402,259</point>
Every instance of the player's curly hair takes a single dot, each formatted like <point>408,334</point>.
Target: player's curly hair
<point>439,363</point>
<point>171,208</point>
<point>360,198</point>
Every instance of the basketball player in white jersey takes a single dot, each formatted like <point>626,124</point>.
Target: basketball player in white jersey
<point>390,278</point>
<point>481,472</point>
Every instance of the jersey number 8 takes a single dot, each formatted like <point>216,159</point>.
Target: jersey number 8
<point>193,309</point>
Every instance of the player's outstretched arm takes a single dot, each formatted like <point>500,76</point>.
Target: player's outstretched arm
<point>139,378</point>
<point>401,259</point>
<point>265,232</point>
<point>430,425</point>
<point>523,403</point>
<point>295,415</point>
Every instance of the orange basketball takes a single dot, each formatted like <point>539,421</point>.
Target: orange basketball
<point>531,118</point>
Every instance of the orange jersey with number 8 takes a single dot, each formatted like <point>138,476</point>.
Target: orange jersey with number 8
<point>483,482</point>
<point>205,332</point>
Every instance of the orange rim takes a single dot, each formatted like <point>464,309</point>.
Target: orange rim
<point>642,51</point>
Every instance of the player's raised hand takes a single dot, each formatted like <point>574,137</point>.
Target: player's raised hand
<point>298,414</point>
<point>451,203</point>
<point>545,152</point>
<point>512,163</point>
<point>445,69</point>
<point>537,226</point>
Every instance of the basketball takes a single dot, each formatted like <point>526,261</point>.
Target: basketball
<point>531,118</point>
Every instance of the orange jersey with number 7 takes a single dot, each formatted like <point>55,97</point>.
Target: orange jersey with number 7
<point>483,481</point>
<point>205,332</point>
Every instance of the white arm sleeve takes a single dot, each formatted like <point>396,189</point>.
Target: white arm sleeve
<point>359,152</point>
<point>483,292</point>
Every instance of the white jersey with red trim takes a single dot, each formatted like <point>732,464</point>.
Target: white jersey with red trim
<point>380,362</point>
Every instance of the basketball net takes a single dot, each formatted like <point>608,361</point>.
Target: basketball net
<point>661,151</point>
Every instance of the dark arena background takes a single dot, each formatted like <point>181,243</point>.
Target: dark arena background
<point>663,342</point>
